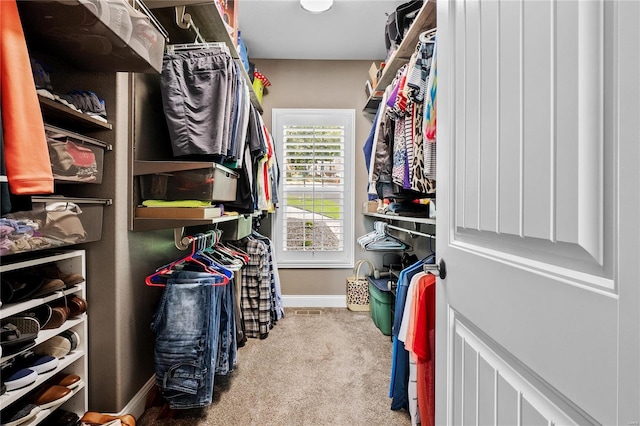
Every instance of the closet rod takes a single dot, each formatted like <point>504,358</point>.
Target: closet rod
<point>409,231</point>
<point>182,242</point>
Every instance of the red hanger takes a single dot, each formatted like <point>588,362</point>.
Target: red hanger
<point>167,269</point>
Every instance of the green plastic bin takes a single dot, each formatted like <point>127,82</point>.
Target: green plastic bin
<point>380,305</point>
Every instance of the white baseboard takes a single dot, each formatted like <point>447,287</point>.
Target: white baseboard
<point>314,301</point>
<point>136,405</point>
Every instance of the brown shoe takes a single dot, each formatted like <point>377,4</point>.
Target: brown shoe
<point>75,305</point>
<point>69,279</point>
<point>70,381</point>
<point>51,396</point>
<point>49,286</point>
<point>59,315</point>
<point>93,418</point>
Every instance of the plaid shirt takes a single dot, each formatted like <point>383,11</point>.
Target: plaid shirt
<point>256,290</point>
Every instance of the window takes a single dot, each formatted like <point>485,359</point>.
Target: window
<point>314,219</point>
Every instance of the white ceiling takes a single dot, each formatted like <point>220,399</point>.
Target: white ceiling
<point>281,29</point>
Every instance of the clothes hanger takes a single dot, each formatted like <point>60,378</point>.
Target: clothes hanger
<point>171,48</point>
<point>158,278</point>
<point>428,36</point>
<point>238,252</point>
<point>208,252</point>
<point>388,243</point>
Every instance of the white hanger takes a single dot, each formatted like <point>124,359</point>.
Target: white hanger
<point>428,36</point>
<point>171,48</point>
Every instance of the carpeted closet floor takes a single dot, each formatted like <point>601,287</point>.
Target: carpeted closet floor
<point>325,366</point>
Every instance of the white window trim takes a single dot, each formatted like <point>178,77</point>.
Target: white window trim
<point>304,116</point>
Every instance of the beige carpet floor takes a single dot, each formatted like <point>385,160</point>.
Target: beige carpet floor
<point>317,367</point>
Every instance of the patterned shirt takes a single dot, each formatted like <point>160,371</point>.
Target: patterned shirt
<point>256,291</point>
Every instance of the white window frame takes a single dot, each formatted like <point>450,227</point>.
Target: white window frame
<point>317,117</point>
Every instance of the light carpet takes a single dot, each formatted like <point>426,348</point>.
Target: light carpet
<point>325,366</point>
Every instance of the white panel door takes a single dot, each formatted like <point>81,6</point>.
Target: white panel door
<point>538,212</point>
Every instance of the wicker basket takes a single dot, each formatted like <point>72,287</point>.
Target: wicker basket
<point>358,288</point>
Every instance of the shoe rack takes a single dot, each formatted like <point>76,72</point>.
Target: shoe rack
<point>76,361</point>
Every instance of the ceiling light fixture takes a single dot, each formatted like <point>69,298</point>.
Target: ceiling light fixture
<point>316,6</point>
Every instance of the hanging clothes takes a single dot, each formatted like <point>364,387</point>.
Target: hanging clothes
<point>26,154</point>
<point>261,298</point>
<point>195,326</point>
<point>430,119</point>
<point>197,97</point>
<point>399,383</point>
<point>402,160</point>
<point>256,290</point>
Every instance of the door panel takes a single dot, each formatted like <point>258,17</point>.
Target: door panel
<point>491,387</point>
<point>531,211</point>
<point>508,131</point>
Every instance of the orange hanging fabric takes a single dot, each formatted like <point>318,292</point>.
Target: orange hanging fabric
<point>25,144</point>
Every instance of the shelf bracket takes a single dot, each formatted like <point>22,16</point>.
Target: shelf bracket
<point>185,21</point>
<point>181,242</point>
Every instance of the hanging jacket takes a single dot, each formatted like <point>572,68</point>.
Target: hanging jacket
<point>25,144</point>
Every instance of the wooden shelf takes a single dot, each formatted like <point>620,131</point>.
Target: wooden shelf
<point>151,224</point>
<point>57,113</point>
<point>425,20</point>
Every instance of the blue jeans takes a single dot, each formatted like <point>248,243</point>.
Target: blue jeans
<point>227,348</point>
<point>187,327</point>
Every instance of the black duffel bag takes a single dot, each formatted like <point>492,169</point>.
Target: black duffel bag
<point>399,21</point>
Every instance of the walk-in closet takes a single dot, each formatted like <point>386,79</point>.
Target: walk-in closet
<point>319,212</point>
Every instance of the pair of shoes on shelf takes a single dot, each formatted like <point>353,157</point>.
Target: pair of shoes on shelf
<point>61,417</point>
<point>24,369</point>
<point>55,391</point>
<point>92,418</point>
<point>18,333</point>
<point>59,346</point>
<point>53,315</point>
<point>54,272</point>
<point>18,414</point>
<point>24,285</point>
<point>83,101</point>
<point>70,306</point>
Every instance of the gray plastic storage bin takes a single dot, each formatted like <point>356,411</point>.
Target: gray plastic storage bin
<point>53,221</point>
<point>216,183</point>
<point>75,158</point>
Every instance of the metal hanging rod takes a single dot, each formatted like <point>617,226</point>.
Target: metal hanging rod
<point>410,232</point>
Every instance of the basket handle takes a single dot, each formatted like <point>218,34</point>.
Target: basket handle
<point>358,265</point>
